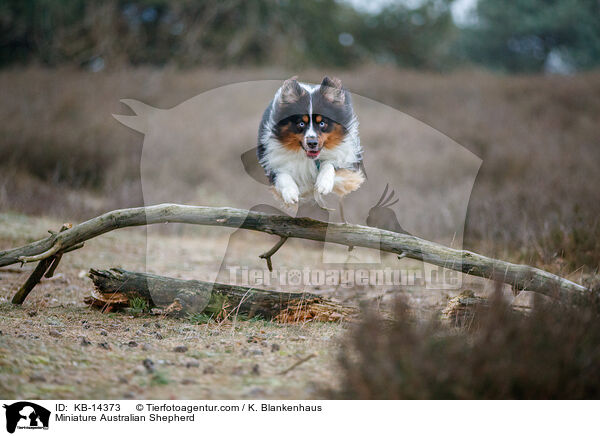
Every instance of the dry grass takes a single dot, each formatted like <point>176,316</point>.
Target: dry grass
<point>61,153</point>
<point>535,199</point>
<point>552,352</point>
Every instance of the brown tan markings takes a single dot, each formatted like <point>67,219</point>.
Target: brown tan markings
<point>334,137</point>
<point>290,139</point>
<point>347,181</point>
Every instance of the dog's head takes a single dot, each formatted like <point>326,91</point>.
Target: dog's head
<point>309,118</point>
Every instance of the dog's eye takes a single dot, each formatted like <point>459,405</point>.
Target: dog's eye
<point>301,124</point>
<point>322,124</point>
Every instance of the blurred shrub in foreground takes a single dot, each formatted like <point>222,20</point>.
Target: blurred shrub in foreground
<point>551,353</point>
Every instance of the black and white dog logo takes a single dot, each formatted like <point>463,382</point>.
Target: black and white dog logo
<point>26,415</point>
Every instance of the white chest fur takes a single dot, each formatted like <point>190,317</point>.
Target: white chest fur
<point>303,170</point>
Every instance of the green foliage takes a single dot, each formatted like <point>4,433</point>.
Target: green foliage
<point>259,319</point>
<point>99,34</point>
<point>200,318</point>
<point>32,26</point>
<point>209,317</point>
<point>420,37</point>
<point>138,305</point>
<point>217,305</point>
<point>520,35</point>
<point>159,379</point>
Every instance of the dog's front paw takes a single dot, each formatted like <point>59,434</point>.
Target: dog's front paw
<point>325,182</point>
<point>290,195</point>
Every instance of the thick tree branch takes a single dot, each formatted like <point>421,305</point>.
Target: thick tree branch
<point>48,264</point>
<point>519,276</point>
<point>33,280</point>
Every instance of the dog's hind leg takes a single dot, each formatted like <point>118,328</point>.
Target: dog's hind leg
<point>346,181</point>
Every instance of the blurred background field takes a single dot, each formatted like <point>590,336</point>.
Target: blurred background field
<point>535,198</point>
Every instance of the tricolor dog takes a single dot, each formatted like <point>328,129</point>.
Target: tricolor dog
<point>308,142</point>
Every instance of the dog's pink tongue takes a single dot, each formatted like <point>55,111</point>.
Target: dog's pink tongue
<point>313,154</point>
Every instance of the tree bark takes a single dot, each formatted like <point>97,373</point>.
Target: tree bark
<point>521,277</point>
<point>184,297</point>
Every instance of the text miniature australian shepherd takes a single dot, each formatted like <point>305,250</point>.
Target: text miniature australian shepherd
<point>308,142</point>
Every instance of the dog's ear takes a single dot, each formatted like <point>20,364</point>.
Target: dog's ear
<point>331,89</point>
<point>291,91</point>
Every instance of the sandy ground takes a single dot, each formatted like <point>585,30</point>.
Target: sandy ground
<point>54,346</point>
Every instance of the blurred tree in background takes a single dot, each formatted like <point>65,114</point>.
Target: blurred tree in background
<point>289,33</point>
<point>530,35</point>
<point>420,36</point>
<point>520,35</point>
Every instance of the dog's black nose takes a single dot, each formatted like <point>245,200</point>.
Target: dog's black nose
<point>312,142</point>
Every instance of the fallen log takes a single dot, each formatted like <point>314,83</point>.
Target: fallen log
<point>117,287</point>
<point>521,277</point>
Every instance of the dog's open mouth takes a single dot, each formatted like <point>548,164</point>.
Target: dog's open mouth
<point>313,154</point>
